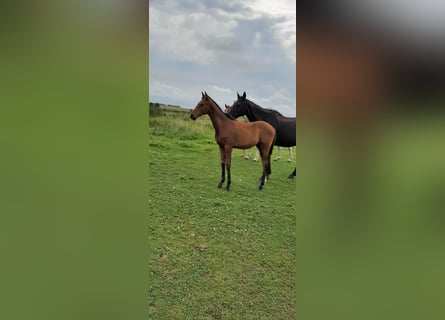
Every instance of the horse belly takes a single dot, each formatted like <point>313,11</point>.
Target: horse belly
<point>244,142</point>
<point>247,136</point>
<point>244,145</point>
<point>286,139</point>
<point>238,142</point>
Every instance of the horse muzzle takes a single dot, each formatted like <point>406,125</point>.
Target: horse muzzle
<point>192,116</point>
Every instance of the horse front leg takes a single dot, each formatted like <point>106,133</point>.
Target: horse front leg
<point>278,157</point>
<point>256,155</point>
<point>228,162</point>
<point>223,166</point>
<point>248,154</point>
<point>223,175</point>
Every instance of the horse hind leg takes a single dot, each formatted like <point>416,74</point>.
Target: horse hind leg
<point>293,174</point>
<point>265,157</point>
<point>263,177</point>
<point>262,181</point>
<point>268,168</point>
<point>289,158</point>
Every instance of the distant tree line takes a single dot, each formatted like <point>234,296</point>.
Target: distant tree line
<point>157,105</point>
<point>158,109</point>
<point>154,109</point>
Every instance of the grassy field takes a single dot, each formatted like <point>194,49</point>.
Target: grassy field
<point>216,254</point>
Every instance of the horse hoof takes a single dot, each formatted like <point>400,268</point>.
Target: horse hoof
<point>291,177</point>
<point>227,189</point>
<point>219,185</point>
<point>260,188</point>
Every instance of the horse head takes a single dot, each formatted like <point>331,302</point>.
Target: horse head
<point>239,107</point>
<point>202,107</point>
<point>243,97</point>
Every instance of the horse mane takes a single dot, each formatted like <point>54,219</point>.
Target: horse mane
<point>227,115</point>
<point>275,111</point>
<point>265,109</point>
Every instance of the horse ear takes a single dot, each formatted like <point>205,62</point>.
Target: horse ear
<point>202,94</point>
<point>244,95</point>
<point>238,95</point>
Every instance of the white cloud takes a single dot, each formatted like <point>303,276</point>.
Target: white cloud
<point>278,99</point>
<point>161,89</point>
<point>221,48</point>
<point>183,36</point>
<point>257,40</point>
<point>285,31</point>
<point>220,89</point>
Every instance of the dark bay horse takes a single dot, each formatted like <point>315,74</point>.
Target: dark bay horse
<point>230,133</point>
<point>285,126</point>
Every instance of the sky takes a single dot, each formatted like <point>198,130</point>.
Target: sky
<point>223,47</point>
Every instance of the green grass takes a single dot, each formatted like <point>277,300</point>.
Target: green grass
<point>216,254</point>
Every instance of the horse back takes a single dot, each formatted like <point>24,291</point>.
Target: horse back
<point>265,128</point>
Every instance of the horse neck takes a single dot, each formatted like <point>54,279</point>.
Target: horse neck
<point>217,116</point>
<point>256,112</point>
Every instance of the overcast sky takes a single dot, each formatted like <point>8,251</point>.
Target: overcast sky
<point>223,47</point>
